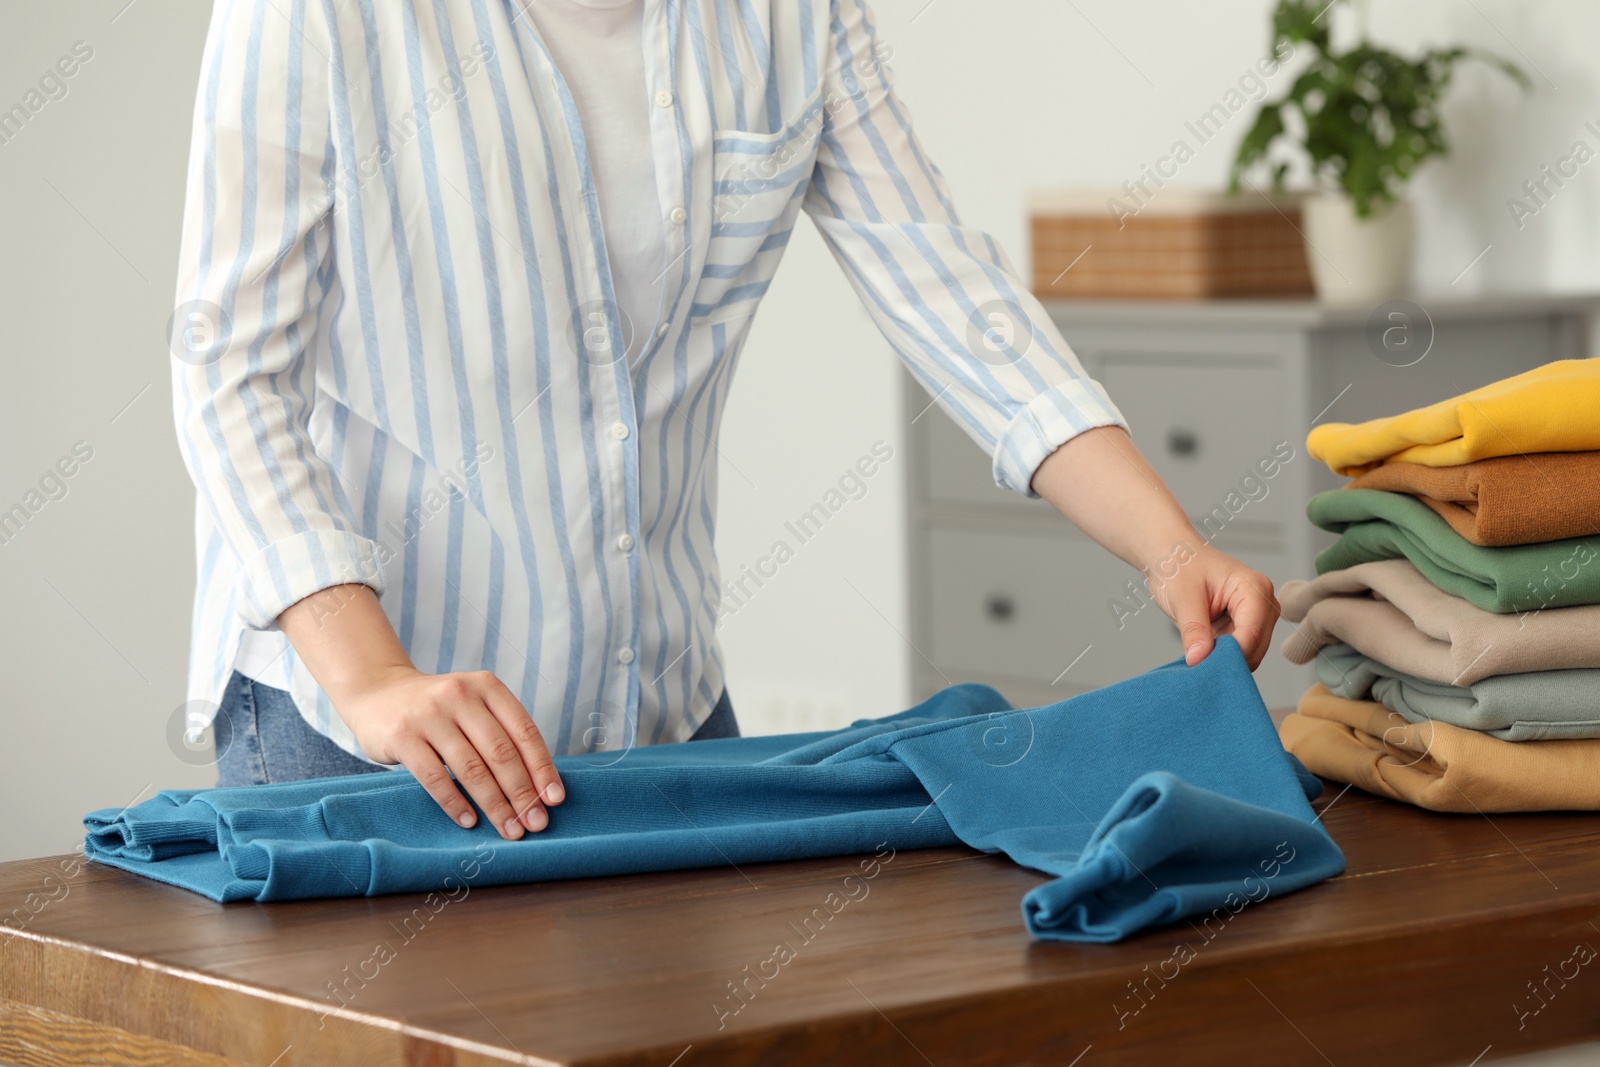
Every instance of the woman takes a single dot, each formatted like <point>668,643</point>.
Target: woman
<point>462,288</point>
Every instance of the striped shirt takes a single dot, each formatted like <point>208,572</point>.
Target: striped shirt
<point>398,359</point>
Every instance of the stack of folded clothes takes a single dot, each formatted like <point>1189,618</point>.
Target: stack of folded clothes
<point>1455,625</point>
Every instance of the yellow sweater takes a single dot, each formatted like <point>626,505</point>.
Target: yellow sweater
<point>1553,408</point>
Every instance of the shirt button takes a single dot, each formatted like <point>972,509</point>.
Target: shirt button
<point>625,542</point>
<point>625,656</point>
<point>664,98</point>
<point>678,215</point>
<point>619,430</point>
<point>661,331</point>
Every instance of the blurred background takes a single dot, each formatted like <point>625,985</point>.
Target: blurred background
<point>1008,98</point>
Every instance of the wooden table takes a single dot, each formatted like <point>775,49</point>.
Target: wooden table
<point>1426,951</point>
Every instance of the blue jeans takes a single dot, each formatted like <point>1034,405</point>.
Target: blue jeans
<point>261,738</point>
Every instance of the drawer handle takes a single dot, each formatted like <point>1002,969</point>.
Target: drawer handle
<point>1000,607</point>
<point>1183,442</point>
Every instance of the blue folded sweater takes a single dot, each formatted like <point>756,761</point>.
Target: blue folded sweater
<point>1157,798</point>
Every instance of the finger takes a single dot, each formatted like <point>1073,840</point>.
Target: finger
<point>423,762</point>
<point>1191,610</point>
<point>1254,615</point>
<point>519,726</point>
<point>473,773</point>
<point>486,734</point>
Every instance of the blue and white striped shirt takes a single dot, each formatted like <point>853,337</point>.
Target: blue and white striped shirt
<point>394,357</point>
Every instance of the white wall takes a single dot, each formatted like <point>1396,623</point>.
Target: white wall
<point>96,587</point>
<point>1008,96</point>
<point>1032,94</point>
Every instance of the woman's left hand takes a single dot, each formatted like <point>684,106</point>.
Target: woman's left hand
<point>1103,483</point>
<point>1209,594</point>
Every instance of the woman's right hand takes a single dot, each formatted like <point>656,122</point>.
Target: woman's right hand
<point>468,722</point>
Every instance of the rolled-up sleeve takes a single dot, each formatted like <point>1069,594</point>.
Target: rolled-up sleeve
<point>943,294</point>
<point>254,269</point>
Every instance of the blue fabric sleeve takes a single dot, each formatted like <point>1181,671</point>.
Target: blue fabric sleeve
<point>1140,868</point>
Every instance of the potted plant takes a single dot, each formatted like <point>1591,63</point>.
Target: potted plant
<point>1364,119</point>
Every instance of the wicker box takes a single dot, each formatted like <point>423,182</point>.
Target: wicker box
<point>1177,246</point>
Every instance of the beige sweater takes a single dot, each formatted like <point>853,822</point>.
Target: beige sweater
<point>1438,766</point>
<point>1390,612</point>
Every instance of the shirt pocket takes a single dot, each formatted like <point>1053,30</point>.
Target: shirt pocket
<point>758,183</point>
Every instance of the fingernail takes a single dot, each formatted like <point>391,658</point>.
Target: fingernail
<point>466,819</point>
<point>1192,649</point>
<point>537,819</point>
<point>554,794</point>
<point>513,828</point>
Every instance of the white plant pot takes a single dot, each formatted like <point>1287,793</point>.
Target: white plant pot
<point>1355,260</point>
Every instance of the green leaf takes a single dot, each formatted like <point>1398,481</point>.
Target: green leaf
<point>1301,21</point>
<point>1267,128</point>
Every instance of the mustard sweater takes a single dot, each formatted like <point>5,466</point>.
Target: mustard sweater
<point>1553,408</point>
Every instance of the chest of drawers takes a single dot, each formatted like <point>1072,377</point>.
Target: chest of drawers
<point>1005,591</point>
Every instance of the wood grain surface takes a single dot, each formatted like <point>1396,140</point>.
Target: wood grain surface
<point>1449,938</point>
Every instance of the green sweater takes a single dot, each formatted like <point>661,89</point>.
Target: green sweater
<point>1518,578</point>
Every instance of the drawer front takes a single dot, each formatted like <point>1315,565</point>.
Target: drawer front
<point>958,471</point>
<point>1212,430</point>
<point>1024,607</point>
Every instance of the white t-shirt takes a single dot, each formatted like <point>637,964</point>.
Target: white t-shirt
<point>598,45</point>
